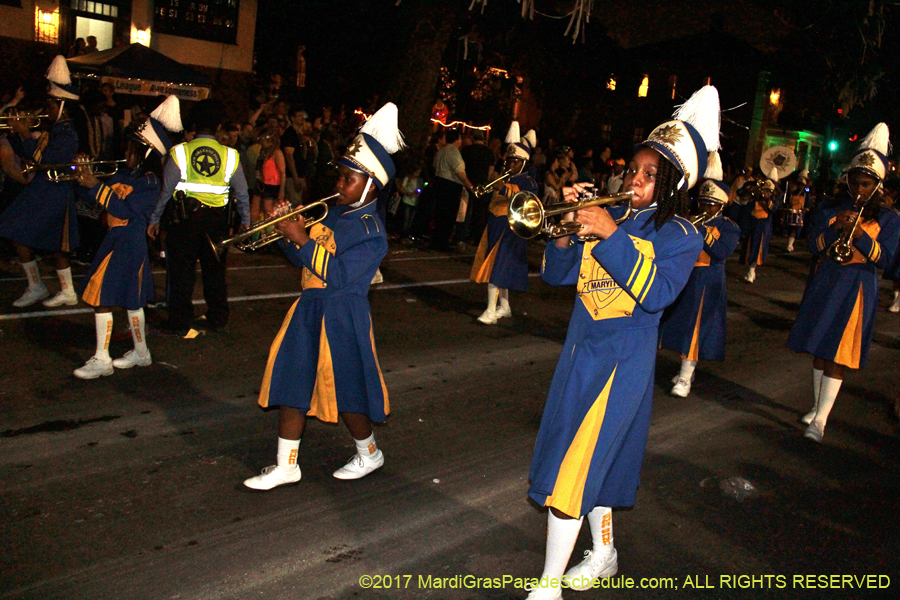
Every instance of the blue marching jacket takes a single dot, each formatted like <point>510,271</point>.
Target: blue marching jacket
<point>695,323</point>
<point>594,428</point>
<point>120,272</point>
<point>756,239</point>
<point>837,314</point>
<point>43,216</point>
<point>323,359</point>
<point>502,256</point>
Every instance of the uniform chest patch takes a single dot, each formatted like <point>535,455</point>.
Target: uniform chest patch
<point>206,161</point>
<point>121,190</point>
<point>601,295</point>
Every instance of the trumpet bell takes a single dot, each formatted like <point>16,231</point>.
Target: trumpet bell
<point>526,215</point>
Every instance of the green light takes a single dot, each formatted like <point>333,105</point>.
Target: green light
<point>832,146</point>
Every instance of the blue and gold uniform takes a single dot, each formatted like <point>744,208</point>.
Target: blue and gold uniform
<point>502,257</point>
<point>756,245</point>
<point>837,314</point>
<point>43,216</point>
<point>594,430</point>
<point>695,324</point>
<point>323,359</point>
<point>120,272</point>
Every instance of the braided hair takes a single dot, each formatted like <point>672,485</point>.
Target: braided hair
<point>669,199</point>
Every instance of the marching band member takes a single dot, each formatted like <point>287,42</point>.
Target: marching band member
<point>837,313</point>
<point>797,191</point>
<point>694,324</point>
<point>756,243</point>
<point>43,216</point>
<point>120,272</point>
<point>502,257</point>
<point>593,432</point>
<point>323,363</point>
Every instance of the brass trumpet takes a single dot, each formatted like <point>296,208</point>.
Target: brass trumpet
<point>841,251</point>
<point>481,190</point>
<point>6,125</point>
<point>528,216</point>
<point>705,216</point>
<point>60,172</point>
<point>243,240</point>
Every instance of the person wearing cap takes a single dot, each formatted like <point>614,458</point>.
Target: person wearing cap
<point>756,243</point>
<point>43,216</point>
<point>209,174</point>
<point>694,325</point>
<point>837,314</point>
<point>593,432</point>
<point>501,260</point>
<point>323,362</point>
<point>614,183</point>
<point>120,274</point>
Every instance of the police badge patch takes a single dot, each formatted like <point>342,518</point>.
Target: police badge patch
<point>206,161</point>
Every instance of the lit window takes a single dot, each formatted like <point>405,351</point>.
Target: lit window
<point>645,85</point>
<point>611,83</point>
<point>673,83</point>
<point>775,96</point>
<point>46,26</point>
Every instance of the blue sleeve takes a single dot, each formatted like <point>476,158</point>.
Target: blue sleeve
<point>238,185</point>
<point>821,235</point>
<point>357,251</point>
<point>139,202</point>
<point>881,251</point>
<point>61,146</point>
<point>171,177</point>
<point>655,282</point>
<point>720,249</point>
<point>562,265</point>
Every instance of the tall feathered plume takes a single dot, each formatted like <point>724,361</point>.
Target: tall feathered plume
<point>58,72</point>
<point>383,127</point>
<point>531,136</point>
<point>702,111</point>
<point>513,136</point>
<point>713,167</point>
<point>169,114</point>
<point>878,139</point>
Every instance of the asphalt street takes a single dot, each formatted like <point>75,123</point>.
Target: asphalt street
<point>129,487</point>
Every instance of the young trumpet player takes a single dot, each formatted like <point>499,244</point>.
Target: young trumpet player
<point>501,260</point>
<point>694,325</point>
<point>837,314</point>
<point>323,362</point>
<point>120,272</point>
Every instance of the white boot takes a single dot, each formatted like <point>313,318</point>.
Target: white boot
<point>489,316</point>
<point>503,310</point>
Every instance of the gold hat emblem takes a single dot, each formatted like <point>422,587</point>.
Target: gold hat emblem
<point>708,188</point>
<point>667,134</point>
<point>866,159</point>
<point>354,148</point>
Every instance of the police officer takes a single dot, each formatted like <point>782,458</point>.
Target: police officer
<point>205,171</point>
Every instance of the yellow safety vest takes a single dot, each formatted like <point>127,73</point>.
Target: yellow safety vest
<point>206,170</point>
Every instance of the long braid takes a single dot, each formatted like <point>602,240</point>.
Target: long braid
<point>670,201</point>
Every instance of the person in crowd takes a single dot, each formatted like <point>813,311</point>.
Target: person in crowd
<point>207,175</point>
<point>91,45</point>
<point>42,217</point>
<point>479,161</point>
<point>837,314</point>
<point>120,272</point>
<point>269,176</point>
<point>557,177</point>
<point>616,177</point>
<point>594,428</point>
<point>694,325</point>
<point>410,188</point>
<point>795,210</point>
<point>295,157</point>
<point>761,208</point>
<point>502,257</point>
<point>323,361</point>
<point>585,170</point>
<point>449,182</point>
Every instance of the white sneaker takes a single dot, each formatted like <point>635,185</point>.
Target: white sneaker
<point>94,368</point>
<point>677,376</point>
<point>32,295</point>
<point>681,388</point>
<point>62,298</point>
<point>581,577</point>
<point>273,477</point>
<point>133,359</point>
<point>378,277</point>
<point>503,312</point>
<point>790,246</point>
<point>895,307</point>
<point>539,593</point>
<point>815,431</point>
<point>488,317</point>
<point>808,417</point>
<point>359,466</point>
<point>750,277</point>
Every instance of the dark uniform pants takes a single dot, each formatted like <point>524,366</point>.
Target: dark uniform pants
<point>446,206</point>
<point>185,244</point>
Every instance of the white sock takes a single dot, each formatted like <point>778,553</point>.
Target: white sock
<point>287,453</point>
<point>687,369</point>
<point>600,520</point>
<point>136,319</point>
<point>504,298</point>
<point>104,325</point>
<point>827,395</point>
<point>561,537</point>
<point>493,293</point>
<point>367,446</point>
<point>896,292</point>
<point>65,280</point>
<point>33,274</point>
<point>817,386</point>
<point>752,270</point>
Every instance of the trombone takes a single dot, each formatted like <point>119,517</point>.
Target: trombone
<point>60,172</point>
<point>528,216</point>
<point>244,240</point>
<point>481,190</point>
<point>6,121</point>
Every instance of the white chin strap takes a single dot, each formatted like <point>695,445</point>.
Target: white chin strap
<point>62,106</point>
<point>365,193</point>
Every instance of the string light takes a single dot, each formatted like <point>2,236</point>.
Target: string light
<point>464,124</point>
